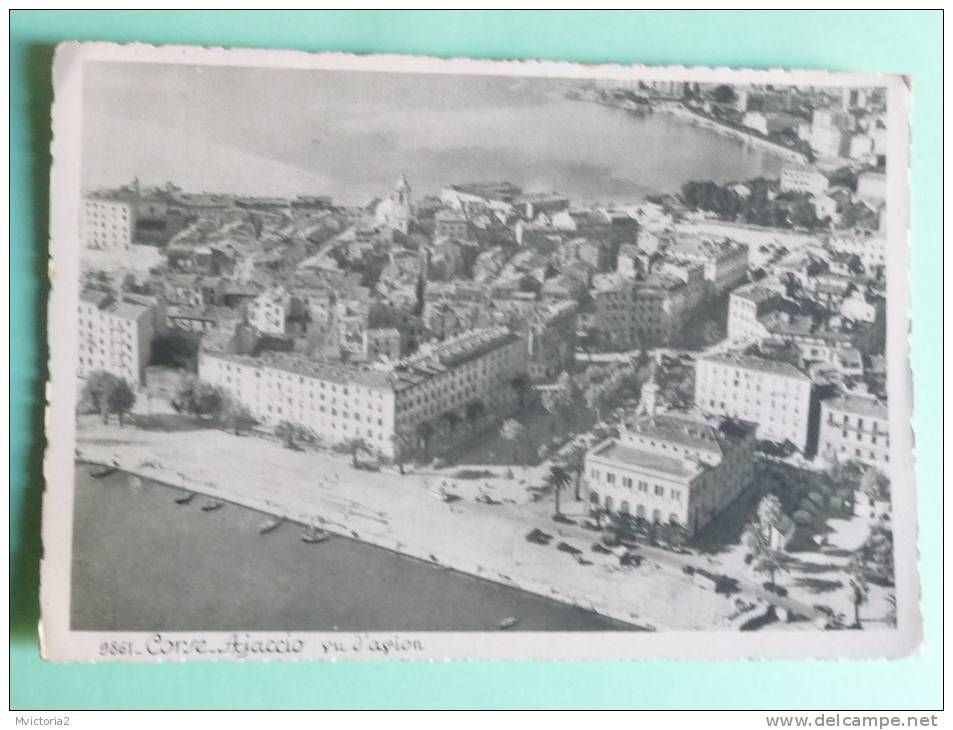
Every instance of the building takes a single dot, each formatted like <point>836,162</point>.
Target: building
<point>496,196</point>
<point>803,180</point>
<point>551,340</point>
<point>451,223</point>
<point>870,249</point>
<point>671,468</point>
<point>395,210</point>
<point>774,395</point>
<point>107,222</point>
<point>116,335</point>
<point>645,312</point>
<point>725,262</point>
<point>872,186</point>
<point>746,305</point>
<point>830,133</point>
<point>339,403</point>
<point>268,311</point>
<point>855,427</point>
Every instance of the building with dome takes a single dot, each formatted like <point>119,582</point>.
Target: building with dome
<point>395,210</point>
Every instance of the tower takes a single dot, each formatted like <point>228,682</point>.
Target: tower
<point>400,205</point>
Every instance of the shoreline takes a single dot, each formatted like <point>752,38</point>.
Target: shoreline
<point>343,531</point>
<point>679,111</point>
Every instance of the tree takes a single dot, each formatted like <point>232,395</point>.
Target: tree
<point>452,419</point>
<point>574,461</point>
<point>403,445</point>
<point>765,558</point>
<point>875,485</point>
<point>770,514</point>
<point>287,431</point>
<point>120,398</point>
<point>199,398</point>
<point>724,94</point>
<point>237,417</point>
<point>521,384</point>
<point>595,397</point>
<point>512,431</point>
<point>357,445</point>
<point>95,395</point>
<point>557,478</point>
<point>475,410</point>
<point>425,434</point>
<point>858,588</point>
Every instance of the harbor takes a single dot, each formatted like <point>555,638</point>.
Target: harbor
<point>147,561</point>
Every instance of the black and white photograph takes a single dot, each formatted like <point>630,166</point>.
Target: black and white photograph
<point>394,357</point>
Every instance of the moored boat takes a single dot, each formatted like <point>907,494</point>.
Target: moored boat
<point>212,504</point>
<point>185,498</point>
<point>104,472</point>
<point>509,622</point>
<point>314,534</point>
<point>268,525</point>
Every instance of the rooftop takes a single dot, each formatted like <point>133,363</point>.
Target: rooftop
<point>857,405</point>
<point>759,364</point>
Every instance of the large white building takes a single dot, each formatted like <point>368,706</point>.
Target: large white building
<point>107,223</point>
<point>725,262</point>
<point>116,335</point>
<point>855,427</point>
<point>671,468</point>
<point>775,395</point>
<point>341,402</point>
<point>803,180</point>
<point>746,305</point>
<point>870,249</point>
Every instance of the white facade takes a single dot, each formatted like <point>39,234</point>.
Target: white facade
<point>670,468</point>
<point>855,428</point>
<point>803,180</point>
<point>107,223</point>
<point>115,336</point>
<point>745,306</point>
<point>872,250</point>
<point>268,312</point>
<point>775,395</point>
<point>872,186</point>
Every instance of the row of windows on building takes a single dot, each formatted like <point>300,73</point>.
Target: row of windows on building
<point>625,508</point>
<point>859,453</point>
<point>845,419</point>
<point>643,486</point>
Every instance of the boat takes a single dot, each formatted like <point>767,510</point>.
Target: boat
<point>185,498</point>
<point>314,534</point>
<point>509,622</point>
<point>268,525</point>
<point>104,472</point>
<point>212,504</point>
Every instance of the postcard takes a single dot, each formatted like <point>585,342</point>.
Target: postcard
<point>365,357</point>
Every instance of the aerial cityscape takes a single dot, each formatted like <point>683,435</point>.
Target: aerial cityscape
<point>418,369</point>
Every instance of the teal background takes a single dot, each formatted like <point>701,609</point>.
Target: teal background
<point>904,42</point>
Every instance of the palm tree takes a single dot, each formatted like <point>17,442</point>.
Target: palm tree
<point>858,587</point>
<point>575,461</point>
<point>770,514</point>
<point>512,430</point>
<point>765,559</point>
<point>556,479</point>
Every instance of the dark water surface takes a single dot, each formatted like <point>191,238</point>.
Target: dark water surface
<point>143,563</point>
